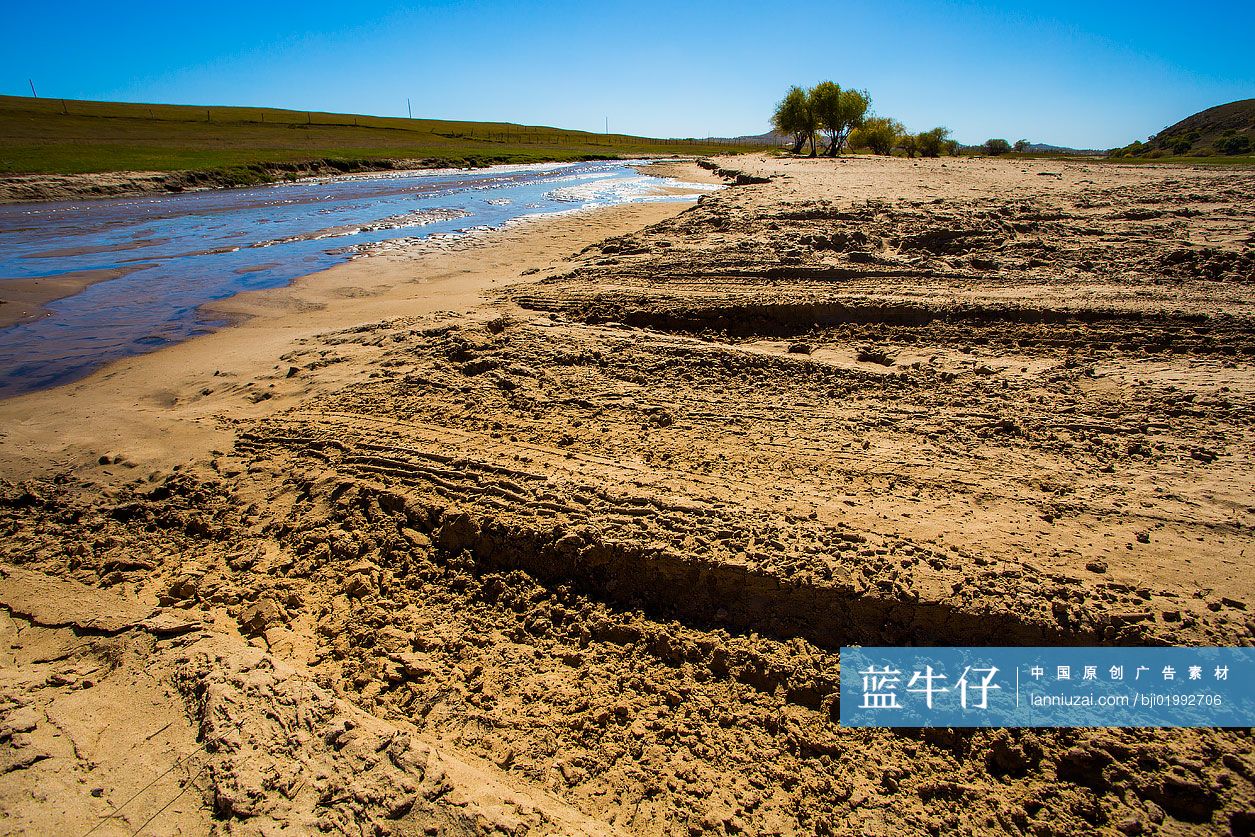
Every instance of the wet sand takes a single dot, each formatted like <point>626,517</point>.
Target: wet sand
<point>559,530</point>
<point>22,300</point>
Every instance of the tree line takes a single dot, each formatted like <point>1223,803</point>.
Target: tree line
<point>843,118</point>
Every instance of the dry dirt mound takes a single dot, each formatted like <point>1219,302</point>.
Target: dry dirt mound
<point>124,720</point>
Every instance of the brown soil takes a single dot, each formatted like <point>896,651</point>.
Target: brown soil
<point>491,537</point>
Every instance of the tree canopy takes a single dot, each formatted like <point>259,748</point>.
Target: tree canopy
<point>826,107</point>
<point>838,112</point>
<point>878,134</point>
<point>932,143</point>
<point>994,147</point>
<point>795,117</point>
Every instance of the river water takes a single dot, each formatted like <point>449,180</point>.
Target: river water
<point>178,252</point>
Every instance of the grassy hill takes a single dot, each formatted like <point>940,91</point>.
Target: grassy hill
<point>55,136</point>
<point>1222,131</point>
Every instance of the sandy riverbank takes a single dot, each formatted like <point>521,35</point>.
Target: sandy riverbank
<point>22,300</point>
<point>560,531</point>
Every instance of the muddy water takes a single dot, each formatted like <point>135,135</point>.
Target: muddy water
<point>173,253</point>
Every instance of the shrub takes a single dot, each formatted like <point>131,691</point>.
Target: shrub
<point>994,147</point>
<point>1234,145</point>
<point>931,143</point>
<point>878,134</point>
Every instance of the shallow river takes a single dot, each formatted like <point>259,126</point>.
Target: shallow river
<point>177,252</point>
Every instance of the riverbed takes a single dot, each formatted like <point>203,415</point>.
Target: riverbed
<point>132,274</point>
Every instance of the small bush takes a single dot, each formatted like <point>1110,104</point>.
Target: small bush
<point>1234,145</point>
<point>932,143</point>
<point>878,134</point>
<point>994,147</point>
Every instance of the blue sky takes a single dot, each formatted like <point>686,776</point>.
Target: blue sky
<point>1094,74</point>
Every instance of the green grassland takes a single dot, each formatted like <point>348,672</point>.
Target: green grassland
<point>1238,161</point>
<point>1235,160</point>
<point>54,136</point>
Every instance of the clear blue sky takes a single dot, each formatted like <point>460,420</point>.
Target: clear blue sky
<point>1094,74</point>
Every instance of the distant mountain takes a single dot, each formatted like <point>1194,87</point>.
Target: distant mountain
<point>769,138</point>
<point>1224,129</point>
<point>1044,148</point>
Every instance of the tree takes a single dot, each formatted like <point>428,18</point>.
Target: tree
<point>825,99</point>
<point>838,112</point>
<point>931,143</point>
<point>994,147</point>
<point>952,147</point>
<point>1236,144</point>
<point>879,134</point>
<point>909,144</point>
<point>852,114</point>
<point>1021,145</point>
<point>794,116</point>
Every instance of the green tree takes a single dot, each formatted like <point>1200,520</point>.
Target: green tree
<point>825,99</point>
<point>795,117</point>
<point>853,113</point>
<point>1236,144</point>
<point>994,147</point>
<point>932,143</point>
<point>909,143</point>
<point>952,147</point>
<point>1021,145</point>
<point>838,112</point>
<point>878,134</point>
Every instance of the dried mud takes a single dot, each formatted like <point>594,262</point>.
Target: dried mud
<point>581,560</point>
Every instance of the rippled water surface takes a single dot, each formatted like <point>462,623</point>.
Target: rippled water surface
<point>177,252</point>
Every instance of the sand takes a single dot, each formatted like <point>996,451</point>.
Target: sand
<point>22,300</point>
<point>558,530</point>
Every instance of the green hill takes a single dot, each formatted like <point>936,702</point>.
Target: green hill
<point>1225,130</point>
<point>55,136</point>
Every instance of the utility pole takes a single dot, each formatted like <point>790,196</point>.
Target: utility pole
<point>32,84</point>
<point>409,110</point>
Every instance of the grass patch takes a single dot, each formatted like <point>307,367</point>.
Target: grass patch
<point>1237,160</point>
<point>54,136</point>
